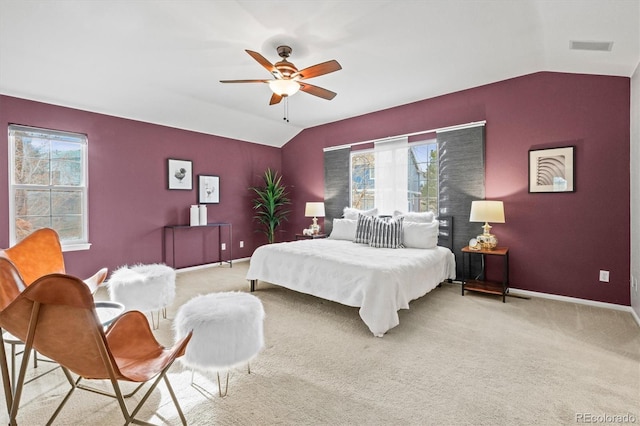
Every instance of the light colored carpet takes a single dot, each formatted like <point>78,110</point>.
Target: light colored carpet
<point>452,360</point>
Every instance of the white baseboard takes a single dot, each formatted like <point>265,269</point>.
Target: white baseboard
<point>635,316</point>
<point>210,265</point>
<point>528,293</point>
<point>517,291</point>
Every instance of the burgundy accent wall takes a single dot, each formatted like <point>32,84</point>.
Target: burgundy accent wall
<point>129,203</point>
<point>558,242</point>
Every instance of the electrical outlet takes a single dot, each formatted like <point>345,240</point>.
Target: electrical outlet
<point>604,276</point>
<point>241,244</point>
<point>224,246</point>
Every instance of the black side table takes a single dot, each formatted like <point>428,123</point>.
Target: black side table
<point>310,237</point>
<point>482,285</point>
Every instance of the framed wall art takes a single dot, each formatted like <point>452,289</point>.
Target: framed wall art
<point>180,174</point>
<point>208,189</point>
<point>552,170</point>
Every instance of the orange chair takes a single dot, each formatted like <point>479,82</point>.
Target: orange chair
<point>56,316</point>
<point>10,287</point>
<point>40,254</point>
<point>37,255</point>
<point>10,283</point>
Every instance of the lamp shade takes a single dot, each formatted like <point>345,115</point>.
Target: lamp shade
<point>284,87</point>
<point>487,211</point>
<point>314,209</point>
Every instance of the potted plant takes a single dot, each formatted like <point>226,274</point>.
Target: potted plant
<point>270,203</point>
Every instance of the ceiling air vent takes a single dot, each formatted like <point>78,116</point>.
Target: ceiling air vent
<point>600,46</point>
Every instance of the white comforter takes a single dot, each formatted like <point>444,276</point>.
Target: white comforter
<point>379,281</point>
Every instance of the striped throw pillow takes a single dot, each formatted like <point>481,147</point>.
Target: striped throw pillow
<point>386,233</point>
<point>363,229</point>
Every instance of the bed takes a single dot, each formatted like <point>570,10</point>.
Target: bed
<point>378,280</point>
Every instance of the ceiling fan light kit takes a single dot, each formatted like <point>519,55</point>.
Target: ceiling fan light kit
<point>284,87</point>
<point>287,79</point>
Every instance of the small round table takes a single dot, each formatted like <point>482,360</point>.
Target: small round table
<point>108,311</point>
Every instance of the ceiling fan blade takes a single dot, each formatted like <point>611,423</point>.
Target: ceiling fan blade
<point>317,91</point>
<point>264,62</point>
<point>318,69</point>
<point>275,99</point>
<point>244,81</point>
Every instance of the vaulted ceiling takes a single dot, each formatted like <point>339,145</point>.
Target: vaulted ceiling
<point>161,61</point>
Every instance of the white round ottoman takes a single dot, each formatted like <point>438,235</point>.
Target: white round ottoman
<point>227,331</point>
<point>145,288</point>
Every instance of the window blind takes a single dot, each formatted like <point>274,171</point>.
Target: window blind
<point>391,181</point>
<point>462,162</point>
<point>336,185</point>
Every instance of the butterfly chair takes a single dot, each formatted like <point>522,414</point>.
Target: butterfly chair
<point>36,255</point>
<point>56,316</point>
<point>40,254</point>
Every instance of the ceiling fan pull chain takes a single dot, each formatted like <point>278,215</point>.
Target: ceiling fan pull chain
<point>286,109</point>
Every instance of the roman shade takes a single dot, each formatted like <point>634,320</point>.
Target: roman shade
<point>461,158</point>
<point>336,185</point>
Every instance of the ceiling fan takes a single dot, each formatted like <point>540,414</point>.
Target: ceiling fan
<point>288,80</point>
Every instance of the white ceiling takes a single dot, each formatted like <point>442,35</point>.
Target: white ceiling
<point>161,61</point>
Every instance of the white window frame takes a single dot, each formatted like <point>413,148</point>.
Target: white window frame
<point>75,245</point>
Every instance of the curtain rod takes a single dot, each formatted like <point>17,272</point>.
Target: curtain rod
<point>438,130</point>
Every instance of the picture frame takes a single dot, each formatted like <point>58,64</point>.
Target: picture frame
<point>552,169</point>
<point>179,174</point>
<point>208,189</point>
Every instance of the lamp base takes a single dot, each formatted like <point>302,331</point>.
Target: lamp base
<point>315,227</point>
<point>487,241</point>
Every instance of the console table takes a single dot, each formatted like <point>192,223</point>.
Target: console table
<point>200,228</point>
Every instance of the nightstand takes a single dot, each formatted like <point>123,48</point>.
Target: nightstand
<point>484,286</point>
<point>310,237</point>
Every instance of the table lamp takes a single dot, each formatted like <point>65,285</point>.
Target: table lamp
<point>487,211</point>
<point>315,210</point>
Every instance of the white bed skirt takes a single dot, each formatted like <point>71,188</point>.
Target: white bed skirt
<point>377,280</point>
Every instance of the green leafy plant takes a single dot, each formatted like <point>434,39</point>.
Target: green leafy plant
<point>270,203</point>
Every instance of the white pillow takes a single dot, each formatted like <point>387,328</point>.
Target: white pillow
<point>423,217</point>
<point>352,214</point>
<point>344,229</point>
<point>420,235</point>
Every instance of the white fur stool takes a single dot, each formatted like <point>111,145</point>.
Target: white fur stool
<point>145,288</point>
<point>227,331</point>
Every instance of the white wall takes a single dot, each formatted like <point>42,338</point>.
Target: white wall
<point>635,191</point>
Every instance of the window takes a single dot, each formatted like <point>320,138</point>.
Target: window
<point>423,177</point>
<point>48,185</point>
<point>414,166</point>
<point>363,180</point>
